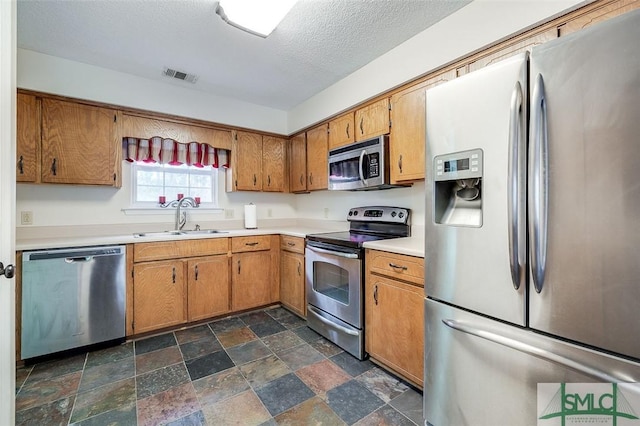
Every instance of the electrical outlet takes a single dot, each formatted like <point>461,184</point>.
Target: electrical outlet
<point>228,213</point>
<point>26,218</point>
<point>326,213</point>
<point>269,213</point>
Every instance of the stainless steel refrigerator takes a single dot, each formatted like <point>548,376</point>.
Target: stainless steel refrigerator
<point>533,227</point>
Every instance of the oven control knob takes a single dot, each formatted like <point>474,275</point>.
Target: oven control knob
<point>355,213</point>
<point>393,214</point>
<point>401,215</point>
<point>350,213</point>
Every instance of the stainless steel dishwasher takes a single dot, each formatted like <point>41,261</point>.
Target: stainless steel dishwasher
<point>72,298</point>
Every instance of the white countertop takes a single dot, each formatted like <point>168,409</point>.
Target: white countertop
<point>411,246</point>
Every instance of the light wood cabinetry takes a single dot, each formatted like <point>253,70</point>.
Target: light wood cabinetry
<point>274,178</point>
<point>317,161</point>
<point>341,131</point>
<point>394,313</point>
<point>298,163</point>
<point>79,144</point>
<point>292,275</point>
<point>178,281</point>
<point>246,159</point>
<point>28,138</point>
<point>252,272</point>
<point>407,140</point>
<point>372,120</point>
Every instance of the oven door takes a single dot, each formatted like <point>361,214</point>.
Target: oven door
<point>357,166</point>
<point>334,281</point>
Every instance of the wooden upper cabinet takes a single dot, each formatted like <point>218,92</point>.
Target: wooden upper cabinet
<point>273,164</point>
<point>372,120</point>
<point>317,161</point>
<point>79,144</point>
<point>298,163</point>
<point>341,131</point>
<point>146,128</point>
<point>247,161</point>
<point>28,138</point>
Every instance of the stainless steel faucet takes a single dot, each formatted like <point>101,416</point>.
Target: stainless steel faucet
<point>181,216</point>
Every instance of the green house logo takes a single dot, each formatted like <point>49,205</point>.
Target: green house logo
<point>588,403</point>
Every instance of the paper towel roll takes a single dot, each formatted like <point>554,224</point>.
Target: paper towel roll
<point>250,216</point>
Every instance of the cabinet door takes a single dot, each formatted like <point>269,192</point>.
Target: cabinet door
<point>292,292</point>
<point>251,282</point>
<point>298,163</point>
<point>341,131</point>
<point>247,161</point>
<point>78,143</point>
<point>208,287</point>
<point>317,161</point>
<point>158,295</point>
<point>28,138</point>
<point>372,120</point>
<point>406,148</point>
<point>273,164</point>
<point>394,326</point>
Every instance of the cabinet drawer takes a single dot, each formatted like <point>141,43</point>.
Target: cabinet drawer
<point>398,266</point>
<point>177,249</point>
<point>255,243</point>
<point>294,244</point>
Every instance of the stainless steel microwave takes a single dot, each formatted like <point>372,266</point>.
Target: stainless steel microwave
<point>362,165</point>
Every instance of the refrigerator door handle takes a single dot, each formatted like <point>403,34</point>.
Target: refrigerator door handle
<point>517,188</point>
<point>538,183</point>
<point>528,349</point>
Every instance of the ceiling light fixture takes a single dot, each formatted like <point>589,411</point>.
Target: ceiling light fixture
<point>259,17</point>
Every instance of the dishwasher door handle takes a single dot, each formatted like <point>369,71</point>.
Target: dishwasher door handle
<point>78,259</point>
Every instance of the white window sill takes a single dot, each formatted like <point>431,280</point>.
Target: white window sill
<point>141,211</point>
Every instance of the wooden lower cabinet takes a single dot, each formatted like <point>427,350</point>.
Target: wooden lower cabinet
<point>208,287</point>
<point>251,280</point>
<point>292,292</point>
<point>159,295</point>
<point>394,323</point>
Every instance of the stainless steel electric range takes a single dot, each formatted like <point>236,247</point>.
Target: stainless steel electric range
<point>335,273</point>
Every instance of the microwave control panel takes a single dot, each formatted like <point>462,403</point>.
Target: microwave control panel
<point>373,165</point>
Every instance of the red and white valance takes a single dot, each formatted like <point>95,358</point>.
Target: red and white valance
<point>169,151</point>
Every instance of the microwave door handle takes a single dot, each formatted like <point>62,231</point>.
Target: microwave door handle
<point>361,166</point>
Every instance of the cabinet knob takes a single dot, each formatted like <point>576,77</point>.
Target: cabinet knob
<point>196,271</point>
<point>21,165</point>
<point>255,180</point>
<point>299,269</point>
<point>301,179</point>
<point>375,294</point>
<point>54,167</point>
<point>268,180</point>
<point>251,244</point>
<point>401,267</point>
<point>361,127</point>
<point>400,163</point>
<point>8,272</point>
<point>238,267</point>
<point>174,275</point>
<point>311,178</point>
<point>347,130</point>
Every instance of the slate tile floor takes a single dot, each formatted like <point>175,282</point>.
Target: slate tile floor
<point>262,368</point>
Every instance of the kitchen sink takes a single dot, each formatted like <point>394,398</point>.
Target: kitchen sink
<point>183,232</point>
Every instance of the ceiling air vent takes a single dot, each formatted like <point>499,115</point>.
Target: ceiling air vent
<point>168,72</point>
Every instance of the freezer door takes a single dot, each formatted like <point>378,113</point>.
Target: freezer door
<point>584,186</point>
<point>482,372</point>
<point>476,250</point>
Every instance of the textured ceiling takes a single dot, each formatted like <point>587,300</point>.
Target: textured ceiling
<point>318,43</point>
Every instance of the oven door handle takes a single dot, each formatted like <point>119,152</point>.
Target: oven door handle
<point>360,166</point>
<point>330,323</point>
<point>334,253</point>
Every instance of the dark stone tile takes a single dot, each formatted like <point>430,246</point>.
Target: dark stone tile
<point>300,356</point>
<point>200,347</point>
<point>281,341</point>
<point>125,415</point>
<point>270,422</point>
<point>55,368</point>
<point>313,411</point>
<point>236,337</point>
<point>193,419</point>
<point>385,416</point>
<point>193,333</point>
<point>279,314</point>
<point>167,406</point>
<point>292,322</point>
<point>352,401</point>
<point>325,347</point>
<point>220,386</point>
<point>53,413</point>
<point>248,352</point>
<point>161,380</point>
<point>46,391</point>
<point>281,394</point>
<point>264,370</point>
<point>267,327</point>
<point>154,343</point>
<point>111,354</point>
<point>21,376</point>
<point>107,373</point>
<point>351,364</point>
<point>323,376</point>
<point>381,384</point>
<point>157,359</point>
<point>208,364</point>
<point>307,334</point>
<point>409,404</point>
<point>104,399</point>
<point>227,324</point>
<point>253,318</point>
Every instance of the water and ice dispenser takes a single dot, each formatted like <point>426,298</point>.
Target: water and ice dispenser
<point>458,188</point>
